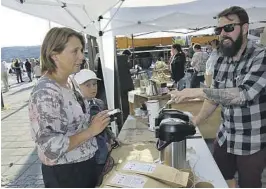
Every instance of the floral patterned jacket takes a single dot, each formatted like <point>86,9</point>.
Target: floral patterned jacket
<point>55,115</point>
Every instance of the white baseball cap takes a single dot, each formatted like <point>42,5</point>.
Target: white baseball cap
<point>84,75</point>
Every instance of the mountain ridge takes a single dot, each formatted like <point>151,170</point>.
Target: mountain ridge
<point>21,52</point>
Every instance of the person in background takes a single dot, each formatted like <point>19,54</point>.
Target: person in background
<point>21,67</point>
<point>129,58</point>
<point>17,67</point>
<point>239,84</point>
<point>191,51</point>
<point>198,62</point>
<point>60,126</point>
<point>211,61</point>
<point>85,64</point>
<point>177,65</point>
<point>33,64</point>
<point>37,70</point>
<point>28,69</point>
<point>213,57</point>
<point>99,73</point>
<point>87,81</point>
<point>4,76</point>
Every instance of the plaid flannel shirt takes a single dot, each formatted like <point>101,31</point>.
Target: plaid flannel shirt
<point>243,127</point>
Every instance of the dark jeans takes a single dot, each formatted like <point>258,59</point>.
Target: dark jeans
<point>29,75</point>
<point>19,76</point>
<point>74,175</point>
<point>249,167</point>
<point>195,80</point>
<point>99,173</point>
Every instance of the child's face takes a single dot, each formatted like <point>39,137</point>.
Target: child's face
<point>89,88</point>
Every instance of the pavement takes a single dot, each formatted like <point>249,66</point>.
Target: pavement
<point>20,166</point>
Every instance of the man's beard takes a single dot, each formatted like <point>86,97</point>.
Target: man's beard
<point>231,50</point>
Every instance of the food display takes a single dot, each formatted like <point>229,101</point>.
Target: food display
<point>161,75</point>
<point>160,65</point>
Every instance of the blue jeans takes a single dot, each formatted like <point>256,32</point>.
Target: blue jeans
<point>102,152</point>
<point>180,84</point>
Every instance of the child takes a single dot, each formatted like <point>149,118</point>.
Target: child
<point>87,81</point>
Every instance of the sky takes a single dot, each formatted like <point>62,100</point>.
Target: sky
<point>20,29</point>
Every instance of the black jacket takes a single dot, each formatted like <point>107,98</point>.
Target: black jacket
<point>178,66</point>
<point>28,66</point>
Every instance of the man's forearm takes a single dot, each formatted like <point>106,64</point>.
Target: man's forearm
<point>230,96</point>
<point>207,109</point>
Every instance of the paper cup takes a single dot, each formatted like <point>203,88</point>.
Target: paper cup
<point>153,111</point>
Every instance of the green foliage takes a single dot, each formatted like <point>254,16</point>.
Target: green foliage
<point>182,42</point>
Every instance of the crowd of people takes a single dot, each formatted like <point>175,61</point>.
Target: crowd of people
<point>30,66</point>
<point>194,60</point>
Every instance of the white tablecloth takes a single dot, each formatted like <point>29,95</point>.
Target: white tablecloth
<point>198,154</point>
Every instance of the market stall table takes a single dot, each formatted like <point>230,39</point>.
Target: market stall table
<point>208,127</point>
<point>138,143</point>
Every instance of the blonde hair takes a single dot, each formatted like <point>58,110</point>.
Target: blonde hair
<point>55,41</point>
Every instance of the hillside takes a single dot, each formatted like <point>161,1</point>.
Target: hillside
<point>22,52</point>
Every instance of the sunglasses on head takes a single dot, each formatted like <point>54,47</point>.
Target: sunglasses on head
<point>227,28</point>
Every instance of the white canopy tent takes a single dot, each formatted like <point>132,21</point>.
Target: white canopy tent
<point>173,33</point>
<point>125,17</point>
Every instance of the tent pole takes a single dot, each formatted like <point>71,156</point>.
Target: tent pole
<point>89,47</point>
<point>133,50</point>
<point>49,24</point>
<point>94,45</point>
<point>117,82</point>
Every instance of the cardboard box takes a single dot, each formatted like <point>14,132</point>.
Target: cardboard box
<point>162,173</point>
<point>129,180</point>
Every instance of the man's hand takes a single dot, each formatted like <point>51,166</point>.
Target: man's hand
<point>187,94</point>
<point>194,120</point>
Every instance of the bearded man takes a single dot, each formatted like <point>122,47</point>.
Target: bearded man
<point>239,87</point>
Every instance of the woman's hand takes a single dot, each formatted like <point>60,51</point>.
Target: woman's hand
<point>99,122</point>
<point>114,143</point>
<point>186,94</point>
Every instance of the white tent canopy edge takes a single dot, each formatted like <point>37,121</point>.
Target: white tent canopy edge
<point>130,16</point>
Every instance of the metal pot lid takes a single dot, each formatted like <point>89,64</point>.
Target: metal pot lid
<point>173,121</point>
